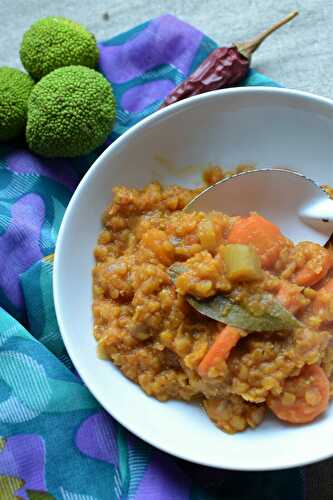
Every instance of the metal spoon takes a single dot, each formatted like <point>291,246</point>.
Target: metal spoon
<point>297,205</point>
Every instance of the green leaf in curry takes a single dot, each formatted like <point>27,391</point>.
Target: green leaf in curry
<point>222,309</point>
<point>270,317</point>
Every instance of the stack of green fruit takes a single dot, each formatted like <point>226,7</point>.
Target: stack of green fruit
<point>65,107</point>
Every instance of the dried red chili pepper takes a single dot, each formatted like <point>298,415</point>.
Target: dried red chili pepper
<point>224,67</point>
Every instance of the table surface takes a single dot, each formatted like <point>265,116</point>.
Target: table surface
<point>299,56</point>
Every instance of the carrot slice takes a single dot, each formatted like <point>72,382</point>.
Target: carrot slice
<point>221,348</point>
<point>312,263</point>
<point>304,397</point>
<point>261,234</point>
<point>312,272</point>
<point>290,296</point>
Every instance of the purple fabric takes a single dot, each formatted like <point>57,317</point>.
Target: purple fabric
<point>19,245</point>
<point>96,437</point>
<point>24,457</point>
<point>140,97</point>
<point>122,63</point>
<point>22,161</point>
<point>163,480</point>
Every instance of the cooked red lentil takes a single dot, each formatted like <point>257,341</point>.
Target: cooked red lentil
<point>144,323</point>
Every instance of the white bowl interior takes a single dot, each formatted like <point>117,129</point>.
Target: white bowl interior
<point>267,127</point>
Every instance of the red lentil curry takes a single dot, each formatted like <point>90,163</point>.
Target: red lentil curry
<point>222,310</point>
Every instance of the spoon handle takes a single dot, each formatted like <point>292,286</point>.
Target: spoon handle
<point>318,210</point>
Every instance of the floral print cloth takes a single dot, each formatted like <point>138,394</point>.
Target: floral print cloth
<point>56,441</point>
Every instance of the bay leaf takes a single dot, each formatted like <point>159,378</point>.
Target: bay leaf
<point>273,316</point>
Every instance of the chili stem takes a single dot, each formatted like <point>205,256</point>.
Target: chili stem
<point>247,48</point>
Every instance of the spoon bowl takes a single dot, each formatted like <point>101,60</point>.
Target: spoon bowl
<point>296,204</point>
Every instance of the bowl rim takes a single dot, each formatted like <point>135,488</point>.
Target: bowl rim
<point>120,141</point>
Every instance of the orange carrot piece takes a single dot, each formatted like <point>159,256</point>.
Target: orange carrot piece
<point>261,234</point>
<point>290,296</point>
<point>221,348</point>
<point>310,276</point>
<point>305,397</point>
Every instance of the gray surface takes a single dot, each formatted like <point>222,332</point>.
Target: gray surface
<point>299,56</point>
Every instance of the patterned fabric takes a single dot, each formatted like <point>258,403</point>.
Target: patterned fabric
<point>56,441</point>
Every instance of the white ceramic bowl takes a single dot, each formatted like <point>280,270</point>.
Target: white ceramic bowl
<point>265,126</point>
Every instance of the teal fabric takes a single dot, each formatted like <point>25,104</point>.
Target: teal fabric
<point>57,442</point>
